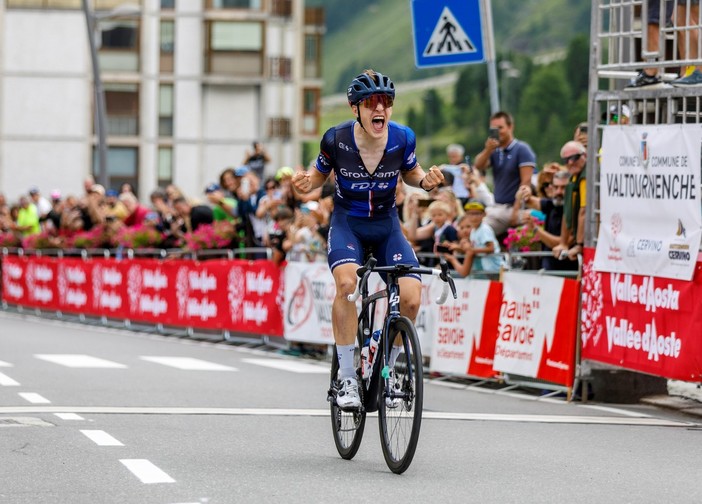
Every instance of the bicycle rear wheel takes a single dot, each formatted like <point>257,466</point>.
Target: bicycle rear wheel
<point>400,421</point>
<point>347,426</point>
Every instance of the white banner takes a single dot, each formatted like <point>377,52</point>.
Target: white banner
<point>459,327</point>
<point>526,331</point>
<point>309,294</point>
<point>651,220</point>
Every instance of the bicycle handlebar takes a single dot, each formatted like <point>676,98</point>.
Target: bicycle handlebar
<point>364,272</point>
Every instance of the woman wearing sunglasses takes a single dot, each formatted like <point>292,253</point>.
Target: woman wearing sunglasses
<point>367,155</point>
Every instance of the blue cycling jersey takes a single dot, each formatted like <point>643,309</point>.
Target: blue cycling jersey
<point>358,192</point>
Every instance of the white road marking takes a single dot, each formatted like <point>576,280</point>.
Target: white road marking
<point>5,364</point>
<point>101,438</point>
<point>6,381</point>
<point>189,363</point>
<point>427,415</point>
<point>79,361</point>
<point>146,471</point>
<point>69,416</point>
<point>618,411</point>
<point>290,365</point>
<point>34,398</point>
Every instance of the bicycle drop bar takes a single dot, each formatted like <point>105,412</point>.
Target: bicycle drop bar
<point>403,269</point>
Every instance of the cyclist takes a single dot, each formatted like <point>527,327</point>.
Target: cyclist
<point>367,155</point>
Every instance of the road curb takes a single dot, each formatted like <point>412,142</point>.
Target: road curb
<point>681,404</point>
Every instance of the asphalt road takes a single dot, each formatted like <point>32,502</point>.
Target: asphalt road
<point>90,414</point>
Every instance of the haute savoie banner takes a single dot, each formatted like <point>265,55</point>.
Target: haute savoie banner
<point>643,323</point>
<point>651,221</point>
<point>537,330</point>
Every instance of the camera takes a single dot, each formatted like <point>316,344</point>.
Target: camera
<point>494,133</point>
<point>443,249</point>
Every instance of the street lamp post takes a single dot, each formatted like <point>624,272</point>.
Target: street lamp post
<point>100,120</point>
<point>91,21</point>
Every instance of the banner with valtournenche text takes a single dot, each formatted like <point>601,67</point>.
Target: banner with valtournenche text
<point>651,220</point>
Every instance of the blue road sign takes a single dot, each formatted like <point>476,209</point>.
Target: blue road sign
<point>447,32</point>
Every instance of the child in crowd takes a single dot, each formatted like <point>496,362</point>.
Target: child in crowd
<point>481,248</point>
<point>438,230</point>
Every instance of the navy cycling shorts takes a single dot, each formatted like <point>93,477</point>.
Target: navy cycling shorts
<point>349,236</point>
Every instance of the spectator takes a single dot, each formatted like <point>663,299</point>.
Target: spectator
<point>57,206</point>
<point>278,237</point>
<point>224,208</point>
<point>648,78</point>
<point>512,162</point>
<point>462,246</point>
<point>114,208</point>
<point>454,204</point>
<point>437,231</point>
<point>308,245</point>
<point>456,166</point>
<point>27,218</point>
<point>268,204</point>
<point>474,181</point>
<point>256,160</point>
<point>136,212</point>
<point>552,208</point>
<point>616,115</point>
<point>5,218</point>
<point>42,204</point>
<point>572,235</point>
<point>127,188</point>
<point>190,217</point>
<point>483,244</point>
<point>545,178</point>
<point>687,14</point>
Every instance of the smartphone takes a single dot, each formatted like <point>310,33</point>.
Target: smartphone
<point>443,249</point>
<point>423,203</point>
<point>494,133</point>
<point>583,128</point>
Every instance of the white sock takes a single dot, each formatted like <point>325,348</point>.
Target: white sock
<point>394,354</point>
<point>345,355</point>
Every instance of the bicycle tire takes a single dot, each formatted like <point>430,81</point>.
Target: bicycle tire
<point>347,426</point>
<point>399,426</point>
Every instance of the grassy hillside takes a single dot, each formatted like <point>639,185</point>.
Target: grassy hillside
<point>378,34</point>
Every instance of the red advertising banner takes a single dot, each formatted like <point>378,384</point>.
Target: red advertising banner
<point>465,331</point>
<point>537,327</point>
<point>241,296</point>
<point>643,323</point>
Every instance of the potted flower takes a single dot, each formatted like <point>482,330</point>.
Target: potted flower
<point>211,236</point>
<point>141,236</point>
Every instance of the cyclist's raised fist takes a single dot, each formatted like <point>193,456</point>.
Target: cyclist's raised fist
<point>301,182</point>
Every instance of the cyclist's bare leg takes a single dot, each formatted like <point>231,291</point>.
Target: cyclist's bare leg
<point>344,316</point>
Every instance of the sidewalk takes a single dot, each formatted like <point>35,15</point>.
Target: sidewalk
<point>682,396</point>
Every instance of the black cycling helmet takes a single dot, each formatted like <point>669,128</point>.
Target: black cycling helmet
<point>364,86</point>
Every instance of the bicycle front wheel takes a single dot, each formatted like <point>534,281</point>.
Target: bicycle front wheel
<point>347,426</point>
<point>400,400</point>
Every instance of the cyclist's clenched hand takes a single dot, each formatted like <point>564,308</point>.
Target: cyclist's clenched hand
<point>301,182</point>
<point>433,178</point>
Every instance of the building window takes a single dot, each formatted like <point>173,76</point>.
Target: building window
<point>167,44</point>
<point>122,166</point>
<point>114,4</point>
<point>165,110</point>
<point>279,127</point>
<point>235,48</point>
<point>119,49</point>
<point>280,68</point>
<point>234,4</point>
<point>312,56</point>
<point>310,111</point>
<point>282,8</point>
<point>167,4</point>
<point>122,106</point>
<point>165,166</point>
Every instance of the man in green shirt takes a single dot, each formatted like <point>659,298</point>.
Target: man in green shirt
<point>27,218</point>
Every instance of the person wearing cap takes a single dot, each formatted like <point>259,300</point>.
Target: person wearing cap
<point>513,163</point>
<point>482,243</point>
<point>114,208</point>
<point>572,235</point>
<point>42,204</point>
<point>223,208</point>
<point>368,155</point>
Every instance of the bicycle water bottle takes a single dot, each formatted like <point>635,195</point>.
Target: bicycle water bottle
<point>372,348</point>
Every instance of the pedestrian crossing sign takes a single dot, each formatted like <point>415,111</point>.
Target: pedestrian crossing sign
<point>447,32</point>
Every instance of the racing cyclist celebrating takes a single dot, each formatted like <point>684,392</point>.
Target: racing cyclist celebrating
<point>367,155</point>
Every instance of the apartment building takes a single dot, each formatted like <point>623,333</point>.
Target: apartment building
<point>188,86</point>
